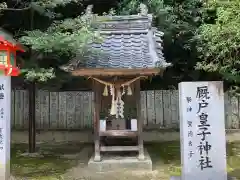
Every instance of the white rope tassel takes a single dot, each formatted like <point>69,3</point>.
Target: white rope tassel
<point>121,109</point>
<point>129,91</point>
<point>119,105</point>
<point>123,92</point>
<point>105,92</point>
<point>113,110</point>
<point>114,105</point>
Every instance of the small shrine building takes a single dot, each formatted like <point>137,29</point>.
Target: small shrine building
<point>131,50</point>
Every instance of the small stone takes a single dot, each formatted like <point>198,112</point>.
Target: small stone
<point>33,155</point>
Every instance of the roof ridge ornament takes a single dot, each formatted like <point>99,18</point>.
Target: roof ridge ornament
<point>89,10</point>
<point>143,9</point>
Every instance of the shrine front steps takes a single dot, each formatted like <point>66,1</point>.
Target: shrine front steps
<point>111,163</point>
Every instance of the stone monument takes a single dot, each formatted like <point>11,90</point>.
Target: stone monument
<point>8,68</point>
<point>5,126</point>
<point>202,131</point>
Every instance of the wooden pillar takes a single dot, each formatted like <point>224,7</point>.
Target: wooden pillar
<point>96,91</point>
<point>139,120</point>
<point>32,119</point>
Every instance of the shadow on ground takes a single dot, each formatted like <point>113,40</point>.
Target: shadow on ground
<point>49,163</point>
<point>165,156</point>
<point>58,160</point>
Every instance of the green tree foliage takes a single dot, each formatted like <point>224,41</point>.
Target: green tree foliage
<point>54,45</point>
<point>64,38</point>
<point>56,32</point>
<point>219,42</point>
<point>179,21</point>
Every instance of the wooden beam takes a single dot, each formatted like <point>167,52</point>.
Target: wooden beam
<point>118,148</point>
<point>139,120</point>
<point>117,72</point>
<point>96,90</point>
<point>119,133</point>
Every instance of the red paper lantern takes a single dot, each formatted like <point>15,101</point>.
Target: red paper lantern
<point>8,51</point>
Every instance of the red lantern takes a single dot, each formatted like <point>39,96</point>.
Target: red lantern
<point>8,57</point>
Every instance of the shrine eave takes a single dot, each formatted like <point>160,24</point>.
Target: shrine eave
<point>117,72</point>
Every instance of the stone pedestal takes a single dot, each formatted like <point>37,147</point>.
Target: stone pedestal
<point>114,163</point>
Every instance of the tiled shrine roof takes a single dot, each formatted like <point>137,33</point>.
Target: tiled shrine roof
<point>128,42</point>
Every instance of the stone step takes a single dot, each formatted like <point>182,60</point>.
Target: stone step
<point>111,163</point>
